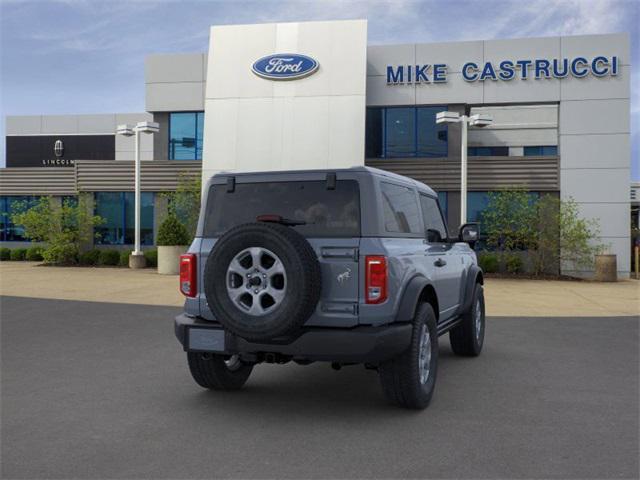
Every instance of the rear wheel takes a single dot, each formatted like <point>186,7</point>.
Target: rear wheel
<point>468,337</point>
<point>409,379</point>
<point>218,372</point>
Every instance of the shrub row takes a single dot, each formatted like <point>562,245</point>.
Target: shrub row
<point>32,254</point>
<point>115,257</point>
<point>490,262</point>
<point>90,257</point>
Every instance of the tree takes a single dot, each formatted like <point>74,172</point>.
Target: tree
<point>551,229</point>
<point>184,203</point>
<point>509,220</point>
<point>64,228</point>
<point>578,237</point>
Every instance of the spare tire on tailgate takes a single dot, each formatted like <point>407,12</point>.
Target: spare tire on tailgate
<point>262,280</point>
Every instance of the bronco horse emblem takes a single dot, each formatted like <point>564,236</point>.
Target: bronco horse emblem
<point>346,275</point>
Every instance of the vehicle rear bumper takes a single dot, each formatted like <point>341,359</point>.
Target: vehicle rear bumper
<point>363,344</point>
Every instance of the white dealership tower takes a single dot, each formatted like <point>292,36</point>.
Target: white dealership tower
<point>254,123</point>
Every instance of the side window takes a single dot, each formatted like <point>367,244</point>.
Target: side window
<point>433,221</point>
<point>400,209</point>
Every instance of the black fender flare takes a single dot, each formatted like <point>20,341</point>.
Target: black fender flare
<point>474,275</point>
<point>410,297</point>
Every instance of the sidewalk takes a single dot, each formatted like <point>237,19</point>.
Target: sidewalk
<point>97,284</point>
<point>504,297</point>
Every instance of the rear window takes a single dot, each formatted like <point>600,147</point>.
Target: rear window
<point>327,213</point>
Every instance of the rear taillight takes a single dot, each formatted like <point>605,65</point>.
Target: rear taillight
<point>375,278</point>
<point>188,270</point>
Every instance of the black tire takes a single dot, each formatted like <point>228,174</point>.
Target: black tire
<point>301,289</point>
<point>210,371</point>
<point>466,339</point>
<point>400,377</point>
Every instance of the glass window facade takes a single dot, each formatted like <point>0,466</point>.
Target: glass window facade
<point>488,151</point>
<point>405,132</point>
<point>9,232</point>
<point>443,200</point>
<point>185,135</point>
<point>541,151</point>
<point>477,203</point>
<point>117,209</point>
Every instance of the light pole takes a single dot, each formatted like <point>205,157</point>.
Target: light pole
<point>136,259</point>
<point>477,120</point>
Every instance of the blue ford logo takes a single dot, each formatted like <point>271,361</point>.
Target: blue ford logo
<point>285,66</point>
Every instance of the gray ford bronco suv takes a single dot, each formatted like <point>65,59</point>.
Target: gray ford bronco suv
<point>346,266</point>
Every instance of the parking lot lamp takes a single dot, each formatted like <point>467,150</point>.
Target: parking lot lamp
<point>477,120</point>
<point>136,259</point>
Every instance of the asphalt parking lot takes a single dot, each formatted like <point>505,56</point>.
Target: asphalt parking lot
<point>97,390</point>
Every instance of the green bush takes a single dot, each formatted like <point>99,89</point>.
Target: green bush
<point>63,227</point>
<point>185,201</point>
<point>34,254</point>
<point>90,257</point>
<point>5,254</point>
<point>488,262</point>
<point>61,254</point>
<point>109,257</point>
<point>172,232</point>
<point>18,254</point>
<point>152,258</point>
<point>513,263</point>
<point>124,258</point>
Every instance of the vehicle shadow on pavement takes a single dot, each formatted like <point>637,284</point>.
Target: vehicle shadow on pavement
<point>352,391</point>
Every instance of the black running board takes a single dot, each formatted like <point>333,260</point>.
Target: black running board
<point>444,327</point>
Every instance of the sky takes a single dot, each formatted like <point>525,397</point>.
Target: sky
<point>87,56</point>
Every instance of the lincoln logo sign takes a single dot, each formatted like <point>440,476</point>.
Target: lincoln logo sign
<point>58,148</point>
<point>285,66</point>
<point>505,70</point>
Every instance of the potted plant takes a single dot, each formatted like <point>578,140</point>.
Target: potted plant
<point>173,240</point>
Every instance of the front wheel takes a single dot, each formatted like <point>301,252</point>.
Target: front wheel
<point>218,372</point>
<point>409,379</point>
<point>468,337</point>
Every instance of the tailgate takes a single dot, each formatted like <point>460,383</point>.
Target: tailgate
<point>338,305</point>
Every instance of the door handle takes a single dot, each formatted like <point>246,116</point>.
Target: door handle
<point>440,263</point>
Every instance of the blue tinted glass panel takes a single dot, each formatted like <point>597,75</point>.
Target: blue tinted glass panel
<point>443,200</point>
<point>532,151</point>
<point>400,132</point>
<point>488,151</point>
<point>199,134</point>
<point>551,150</point>
<point>109,207</point>
<point>146,218</point>
<point>10,205</point>
<point>374,133</point>
<point>477,203</point>
<point>185,135</point>
<point>117,209</point>
<point>4,220</point>
<point>539,151</point>
<point>432,138</point>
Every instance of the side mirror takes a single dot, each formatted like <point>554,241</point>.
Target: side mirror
<point>469,233</point>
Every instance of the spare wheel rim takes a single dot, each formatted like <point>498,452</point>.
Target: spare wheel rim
<point>256,281</point>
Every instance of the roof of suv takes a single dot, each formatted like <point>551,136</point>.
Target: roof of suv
<point>363,169</point>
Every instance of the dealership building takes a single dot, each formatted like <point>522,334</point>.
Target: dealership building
<point>560,108</point>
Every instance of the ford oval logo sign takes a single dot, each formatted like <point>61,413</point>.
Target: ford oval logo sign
<point>285,66</point>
